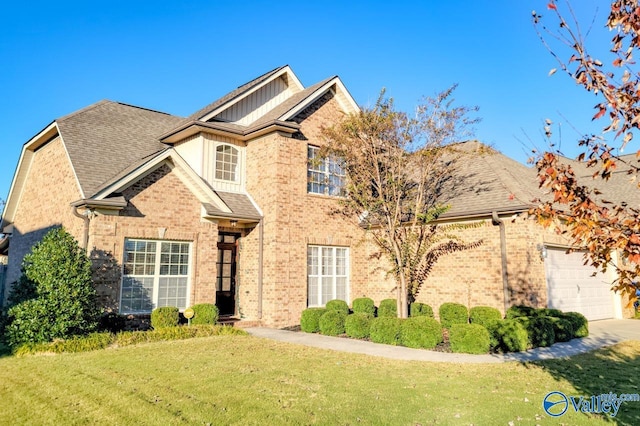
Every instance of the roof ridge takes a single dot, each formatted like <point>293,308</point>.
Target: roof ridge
<point>85,109</point>
<point>142,108</point>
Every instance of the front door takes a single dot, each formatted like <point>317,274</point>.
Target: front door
<point>226,279</point>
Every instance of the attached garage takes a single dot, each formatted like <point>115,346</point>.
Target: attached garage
<point>571,286</point>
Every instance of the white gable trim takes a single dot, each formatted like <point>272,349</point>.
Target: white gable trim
<point>185,173</point>
<point>291,80</point>
<point>343,97</point>
<point>22,170</point>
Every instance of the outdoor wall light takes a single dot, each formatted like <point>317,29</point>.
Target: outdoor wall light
<point>234,223</point>
<point>543,251</point>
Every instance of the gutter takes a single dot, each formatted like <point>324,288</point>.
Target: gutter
<point>496,221</point>
<point>85,233</point>
<point>260,267</point>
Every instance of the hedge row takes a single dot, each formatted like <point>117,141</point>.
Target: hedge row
<point>95,341</point>
<point>475,331</point>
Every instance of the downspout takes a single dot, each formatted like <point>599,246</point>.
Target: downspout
<point>260,256</point>
<point>503,254</point>
<point>85,236</point>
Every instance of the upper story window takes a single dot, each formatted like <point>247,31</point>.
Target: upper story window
<point>324,175</point>
<point>227,163</point>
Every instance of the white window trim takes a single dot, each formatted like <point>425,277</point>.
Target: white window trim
<point>319,276</point>
<point>156,275</point>
<point>327,175</point>
<point>239,162</point>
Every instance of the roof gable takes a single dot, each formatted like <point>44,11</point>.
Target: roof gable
<point>105,138</point>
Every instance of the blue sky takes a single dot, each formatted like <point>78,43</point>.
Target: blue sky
<point>176,57</point>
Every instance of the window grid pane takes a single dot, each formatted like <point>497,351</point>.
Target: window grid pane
<point>155,274</point>
<point>324,175</point>
<point>226,163</point>
<point>327,274</point>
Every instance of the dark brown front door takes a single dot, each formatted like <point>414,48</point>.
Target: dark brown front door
<point>226,280</point>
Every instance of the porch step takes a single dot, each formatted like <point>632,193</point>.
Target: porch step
<point>237,322</point>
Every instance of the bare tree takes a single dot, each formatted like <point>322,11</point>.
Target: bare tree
<point>577,208</point>
<point>395,166</point>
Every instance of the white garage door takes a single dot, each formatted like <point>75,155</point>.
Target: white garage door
<point>570,286</point>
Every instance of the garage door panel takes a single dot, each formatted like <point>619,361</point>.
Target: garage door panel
<point>571,285</point>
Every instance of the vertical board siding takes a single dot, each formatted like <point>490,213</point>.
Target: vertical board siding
<point>258,103</point>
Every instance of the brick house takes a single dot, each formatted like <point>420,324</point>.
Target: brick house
<point>225,207</point>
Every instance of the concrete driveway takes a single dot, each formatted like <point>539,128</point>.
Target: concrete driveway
<point>601,333</point>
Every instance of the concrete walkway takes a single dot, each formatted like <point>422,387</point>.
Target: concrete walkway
<point>601,333</point>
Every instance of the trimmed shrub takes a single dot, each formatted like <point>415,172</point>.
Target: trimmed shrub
<point>563,329</point>
<point>385,330</point>
<point>579,322</point>
<point>338,305</point>
<point>91,342</point>
<point>357,325</point>
<point>310,319</point>
<point>510,336</point>
<point>54,298</point>
<point>540,330</point>
<point>520,311</point>
<point>549,312</point>
<point>112,322</point>
<point>205,313</point>
<point>388,308</point>
<point>469,338</point>
<point>418,309</point>
<point>453,313</point>
<point>364,305</point>
<point>494,337</point>
<point>420,332</point>
<point>484,315</point>
<point>332,323</point>
<point>166,316</point>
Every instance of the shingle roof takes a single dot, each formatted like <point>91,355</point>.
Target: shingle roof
<point>485,180</point>
<point>240,205</point>
<point>107,137</point>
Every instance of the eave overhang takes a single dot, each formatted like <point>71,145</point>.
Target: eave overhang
<point>219,128</point>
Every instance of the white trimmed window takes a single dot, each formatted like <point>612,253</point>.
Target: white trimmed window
<point>156,273</point>
<point>324,175</point>
<point>227,163</point>
<point>327,274</point>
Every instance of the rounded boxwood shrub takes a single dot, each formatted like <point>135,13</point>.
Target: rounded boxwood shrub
<point>520,311</point>
<point>420,332</point>
<point>580,323</point>
<point>540,330</point>
<point>510,336</point>
<point>385,330</point>
<point>563,329</point>
<point>550,312</point>
<point>332,323</point>
<point>418,309</point>
<point>205,313</point>
<point>357,325</point>
<point>310,319</point>
<point>337,305</point>
<point>484,315</point>
<point>165,316</point>
<point>469,338</point>
<point>453,313</point>
<point>388,308</point>
<point>364,305</point>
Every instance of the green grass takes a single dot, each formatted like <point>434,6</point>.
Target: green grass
<point>245,380</point>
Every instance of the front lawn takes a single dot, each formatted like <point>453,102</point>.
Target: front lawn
<point>247,380</point>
